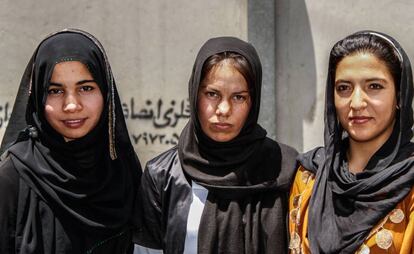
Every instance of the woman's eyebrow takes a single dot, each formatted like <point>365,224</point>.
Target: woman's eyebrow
<point>342,81</point>
<point>81,82</point>
<point>375,79</point>
<point>210,88</point>
<point>243,91</point>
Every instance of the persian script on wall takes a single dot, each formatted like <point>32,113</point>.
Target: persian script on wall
<point>160,117</point>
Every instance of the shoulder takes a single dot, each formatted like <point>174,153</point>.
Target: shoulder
<point>288,163</point>
<point>287,151</point>
<point>304,179</point>
<point>161,168</point>
<point>289,157</point>
<point>162,163</point>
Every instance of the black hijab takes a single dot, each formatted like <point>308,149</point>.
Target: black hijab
<point>244,176</point>
<point>73,195</point>
<point>345,207</point>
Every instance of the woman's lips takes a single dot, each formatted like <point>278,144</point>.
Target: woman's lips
<point>359,119</point>
<point>74,123</point>
<point>222,126</point>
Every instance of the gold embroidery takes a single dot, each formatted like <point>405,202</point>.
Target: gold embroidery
<point>364,249</point>
<point>396,216</point>
<point>294,216</point>
<point>384,239</point>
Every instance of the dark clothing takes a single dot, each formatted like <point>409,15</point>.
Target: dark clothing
<point>345,207</point>
<point>11,190</point>
<point>75,196</point>
<point>244,176</point>
<point>166,198</point>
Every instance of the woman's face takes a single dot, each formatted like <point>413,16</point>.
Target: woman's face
<point>74,102</point>
<point>365,97</point>
<point>223,102</point>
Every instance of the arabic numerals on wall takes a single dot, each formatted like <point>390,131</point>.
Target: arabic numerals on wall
<point>148,138</point>
<point>5,112</point>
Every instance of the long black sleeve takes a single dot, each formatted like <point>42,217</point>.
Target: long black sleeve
<point>149,211</point>
<point>9,191</point>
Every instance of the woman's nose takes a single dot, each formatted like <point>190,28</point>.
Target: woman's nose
<point>223,108</point>
<point>358,99</point>
<point>72,104</point>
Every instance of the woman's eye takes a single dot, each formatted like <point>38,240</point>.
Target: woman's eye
<point>239,98</point>
<point>211,94</point>
<point>54,91</point>
<point>375,86</point>
<point>343,88</point>
<point>86,88</point>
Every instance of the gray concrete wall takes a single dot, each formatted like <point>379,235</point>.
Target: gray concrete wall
<point>151,46</point>
<point>261,33</point>
<point>305,32</point>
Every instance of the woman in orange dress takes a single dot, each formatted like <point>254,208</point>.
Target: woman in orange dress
<point>355,194</point>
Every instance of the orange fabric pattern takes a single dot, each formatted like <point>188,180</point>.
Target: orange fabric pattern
<point>402,230</point>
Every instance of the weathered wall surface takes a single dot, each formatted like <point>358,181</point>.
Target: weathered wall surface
<point>151,46</point>
<point>305,32</point>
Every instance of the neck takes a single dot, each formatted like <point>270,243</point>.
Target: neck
<point>360,152</point>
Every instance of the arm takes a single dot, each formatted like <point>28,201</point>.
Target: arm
<point>9,188</point>
<point>295,190</point>
<point>149,215</point>
<point>407,244</point>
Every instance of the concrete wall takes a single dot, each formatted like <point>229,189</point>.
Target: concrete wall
<point>261,33</point>
<point>151,46</point>
<point>305,32</point>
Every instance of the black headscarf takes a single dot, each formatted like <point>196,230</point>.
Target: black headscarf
<point>345,207</point>
<point>77,190</point>
<point>243,176</point>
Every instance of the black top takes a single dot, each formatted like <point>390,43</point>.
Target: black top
<point>244,176</point>
<point>9,192</point>
<point>73,196</point>
<point>165,199</point>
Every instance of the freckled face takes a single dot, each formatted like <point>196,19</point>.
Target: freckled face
<point>365,97</point>
<point>223,102</point>
<point>74,102</point>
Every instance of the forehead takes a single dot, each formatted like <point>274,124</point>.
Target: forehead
<point>362,64</point>
<point>224,74</point>
<point>70,69</point>
<point>75,65</point>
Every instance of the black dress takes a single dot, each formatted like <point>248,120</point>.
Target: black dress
<point>166,197</point>
<point>9,193</point>
<point>67,197</point>
<point>247,178</point>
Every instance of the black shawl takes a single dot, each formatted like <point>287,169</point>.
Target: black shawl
<point>244,176</point>
<point>345,207</point>
<point>73,195</point>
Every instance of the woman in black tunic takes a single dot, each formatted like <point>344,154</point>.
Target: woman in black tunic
<point>224,153</point>
<point>68,181</point>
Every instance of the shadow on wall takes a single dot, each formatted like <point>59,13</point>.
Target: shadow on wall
<point>261,33</point>
<point>295,71</point>
<point>280,30</point>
